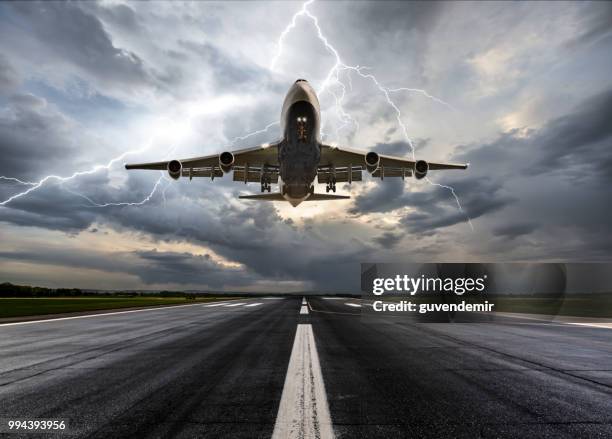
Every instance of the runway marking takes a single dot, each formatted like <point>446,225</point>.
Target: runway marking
<point>234,304</point>
<point>304,309</point>
<point>353,304</point>
<point>272,298</point>
<point>88,316</point>
<point>214,304</point>
<point>594,325</point>
<point>303,411</point>
<point>303,301</point>
<point>253,304</point>
<point>333,298</point>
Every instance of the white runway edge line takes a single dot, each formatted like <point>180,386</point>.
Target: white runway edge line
<point>353,304</point>
<point>303,411</point>
<point>253,304</point>
<point>105,314</point>
<point>234,304</point>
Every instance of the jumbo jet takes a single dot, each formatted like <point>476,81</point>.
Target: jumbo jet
<point>294,161</point>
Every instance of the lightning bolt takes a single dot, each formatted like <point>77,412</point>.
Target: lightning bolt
<point>16,180</point>
<point>136,203</point>
<point>333,77</point>
<point>254,133</point>
<point>37,185</point>
<point>63,179</point>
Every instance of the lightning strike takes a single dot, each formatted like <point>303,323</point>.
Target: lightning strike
<point>16,180</point>
<point>135,203</point>
<point>333,77</point>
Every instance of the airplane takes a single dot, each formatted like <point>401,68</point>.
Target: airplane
<point>294,161</point>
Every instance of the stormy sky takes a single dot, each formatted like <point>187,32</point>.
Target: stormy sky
<point>524,94</point>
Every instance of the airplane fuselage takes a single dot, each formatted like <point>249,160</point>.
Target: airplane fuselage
<point>299,152</point>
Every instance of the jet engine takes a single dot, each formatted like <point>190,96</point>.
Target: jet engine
<point>174,169</point>
<point>420,169</point>
<point>226,161</point>
<point>372,160</point>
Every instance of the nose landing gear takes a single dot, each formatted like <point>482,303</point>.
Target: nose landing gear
<point>265,183</point>
<point>331,185</point>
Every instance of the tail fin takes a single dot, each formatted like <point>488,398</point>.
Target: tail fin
<point>322,197</point>
<point>278,197</point>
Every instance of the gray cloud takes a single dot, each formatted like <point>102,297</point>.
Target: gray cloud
<point>9,79</point>
<point>388,240</point>
<point>33,136</point>
<point>514,230</point>
<point>66,32</point>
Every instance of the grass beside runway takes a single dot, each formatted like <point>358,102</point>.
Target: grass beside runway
<point>34,306</point>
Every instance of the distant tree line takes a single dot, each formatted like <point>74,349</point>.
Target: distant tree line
<point>10,290</point>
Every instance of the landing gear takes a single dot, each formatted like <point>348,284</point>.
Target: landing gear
<point>331,185</point>
<point>265,183</point>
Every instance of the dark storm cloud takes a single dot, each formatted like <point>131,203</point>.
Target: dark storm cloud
<point>578,143</point>
<point>152,267</point>
<point>33,136</point>
<point>584,134</point>
<point>505,171</point>
<point>514,230</point>
<point>382,198</point>
<point>388,240</point>
<point>68,33</point>
<point>436,208</point>
<point>186,268</point>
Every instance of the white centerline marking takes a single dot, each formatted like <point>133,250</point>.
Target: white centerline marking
<point>234,304</point>
<point>304,309</point>
<point>303,411</point>
<point>353,304</point>
<point>303,301</point>
<point>253,304</point>
<point>215,304</point>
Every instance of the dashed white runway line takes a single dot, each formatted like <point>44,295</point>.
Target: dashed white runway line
<point>303,301</point>
<point>229,305</point>
<point>304,309</point>
<point>356,305</point>
<point>214,304</point>
<point>100,315</point>
<point>253,304</point>
<point>304,410</point>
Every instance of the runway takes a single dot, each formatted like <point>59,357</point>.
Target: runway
<point>267,367</point>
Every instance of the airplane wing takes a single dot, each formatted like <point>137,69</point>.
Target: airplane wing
<point>347,164</point>
<point>248,164</point>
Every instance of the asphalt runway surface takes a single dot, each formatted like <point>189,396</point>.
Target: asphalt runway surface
<point>277,368</point>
